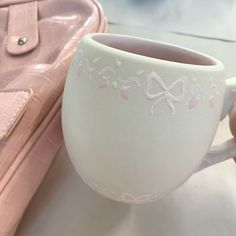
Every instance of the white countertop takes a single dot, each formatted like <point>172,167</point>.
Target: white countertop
<point>204,206</point>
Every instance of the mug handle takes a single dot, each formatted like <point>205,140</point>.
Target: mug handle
<point>226,150</point>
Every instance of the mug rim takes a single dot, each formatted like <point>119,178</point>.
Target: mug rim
<point>216,66</point>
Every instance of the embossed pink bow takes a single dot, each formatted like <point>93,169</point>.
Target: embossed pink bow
<point>166,93</point>
<point>130,198</point>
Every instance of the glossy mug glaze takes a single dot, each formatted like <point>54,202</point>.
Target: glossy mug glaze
<point>139,116</point>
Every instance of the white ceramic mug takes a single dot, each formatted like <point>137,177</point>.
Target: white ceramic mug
<point>139,116</point>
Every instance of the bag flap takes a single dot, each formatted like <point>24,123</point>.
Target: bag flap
<point>12,106</point>
<point>23,33</point>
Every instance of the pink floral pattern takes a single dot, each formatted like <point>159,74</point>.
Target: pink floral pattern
<point>208,93</point>
<point>198,94</point>
<point>109,77</point>
<point>155,88</point>
<point>82,61</point>
<point>214,91</point>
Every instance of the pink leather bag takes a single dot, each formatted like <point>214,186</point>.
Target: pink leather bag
<point>37,42</point>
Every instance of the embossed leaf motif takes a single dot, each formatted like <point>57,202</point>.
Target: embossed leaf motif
<point>107,72</point>
<point>197,94</point>
<point>110,77</point>
<point>171,94</point>
<point>214,91</point>
<point>82,63</point>
<point>118,62</point>
<point>79,57</point>
<point>127,84</point>
<point>96,60</point>
<point>139,72</point>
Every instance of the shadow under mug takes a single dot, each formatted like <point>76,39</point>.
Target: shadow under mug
<point>139,116</point>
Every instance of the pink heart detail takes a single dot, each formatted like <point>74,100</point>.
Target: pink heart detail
<point>233,95</point>
<point>124,94</point>
<point>102,83</point>
<point>211,103</point>
<point>192,103</point>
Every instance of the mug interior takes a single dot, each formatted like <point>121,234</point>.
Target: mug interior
<point>154,50</point>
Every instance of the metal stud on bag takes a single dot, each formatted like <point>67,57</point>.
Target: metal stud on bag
<point>22,41</point>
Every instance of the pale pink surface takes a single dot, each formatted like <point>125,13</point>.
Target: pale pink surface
<point>27,153</point>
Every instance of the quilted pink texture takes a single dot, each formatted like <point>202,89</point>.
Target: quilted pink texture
<point>22,23</point>
<point>10,2</point>
<point>35,135</point>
